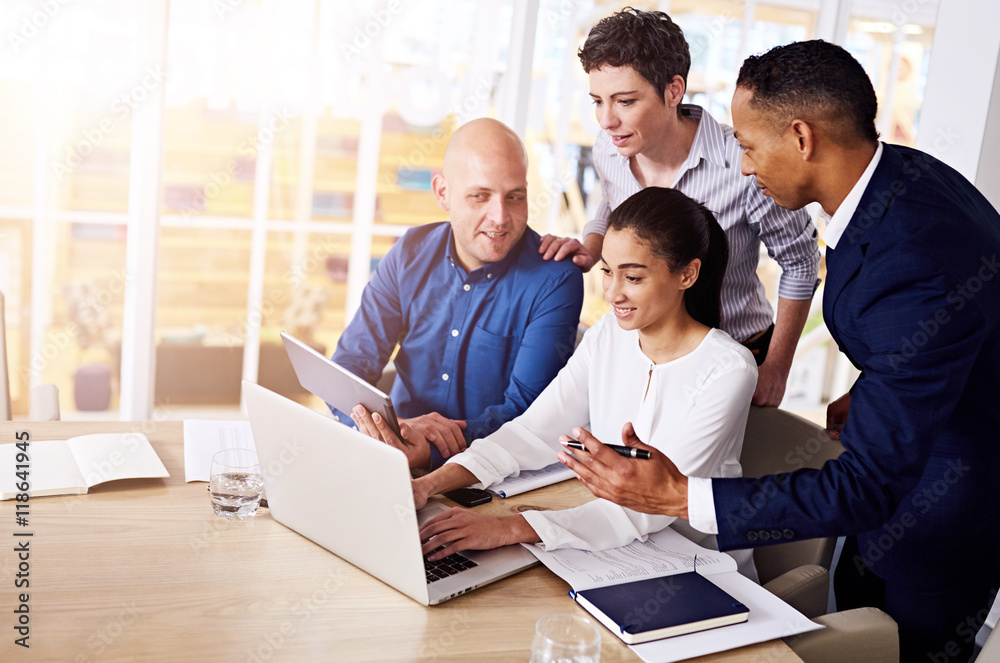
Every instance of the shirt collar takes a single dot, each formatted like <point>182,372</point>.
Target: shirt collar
<point>837,224</point>
<point>709,139</point>
<point>493,270</point>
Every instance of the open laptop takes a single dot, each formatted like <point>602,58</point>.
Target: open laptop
<point>352,495</point>
<point>336,385</point>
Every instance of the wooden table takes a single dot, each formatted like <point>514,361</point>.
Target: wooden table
<point>142,570</point>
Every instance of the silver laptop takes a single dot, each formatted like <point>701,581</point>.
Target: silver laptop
<point>335,384</point>
<point>352,495</point>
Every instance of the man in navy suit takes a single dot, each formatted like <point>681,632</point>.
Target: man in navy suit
<point>913,299</point>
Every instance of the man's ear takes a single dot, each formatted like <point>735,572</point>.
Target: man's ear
<point>805,138</point>
<point>439,185</point>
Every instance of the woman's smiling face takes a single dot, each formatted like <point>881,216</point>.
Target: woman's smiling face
<point>638,284</point>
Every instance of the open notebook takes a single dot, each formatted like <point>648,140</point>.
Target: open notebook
<point>71,467</point>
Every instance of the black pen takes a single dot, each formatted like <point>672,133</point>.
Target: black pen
<point>628,452</point>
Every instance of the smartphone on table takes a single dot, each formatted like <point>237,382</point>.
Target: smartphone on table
<point>469,496</point>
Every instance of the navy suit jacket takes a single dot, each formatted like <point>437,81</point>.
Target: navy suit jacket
<point>913,299</point>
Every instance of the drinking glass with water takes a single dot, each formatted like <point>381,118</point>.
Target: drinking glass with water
<point>565,639</point>
<point>236,483</point>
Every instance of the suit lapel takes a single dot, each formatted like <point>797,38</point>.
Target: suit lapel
<point>844,262</point>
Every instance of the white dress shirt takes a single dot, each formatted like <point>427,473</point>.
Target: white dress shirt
<point>693,409</point>
<point>711,175</point>
<point>837,224</point>
<point>701,498</point>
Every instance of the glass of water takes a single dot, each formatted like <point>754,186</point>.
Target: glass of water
<point>236,483</point>
<point>566,639</point>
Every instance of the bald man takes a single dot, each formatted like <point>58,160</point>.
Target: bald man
<point>482,322</point>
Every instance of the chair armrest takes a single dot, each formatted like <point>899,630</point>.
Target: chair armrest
<point>862,634</point>
<point>805,588</point>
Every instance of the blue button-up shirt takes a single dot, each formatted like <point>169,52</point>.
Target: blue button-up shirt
<point>478,346</point>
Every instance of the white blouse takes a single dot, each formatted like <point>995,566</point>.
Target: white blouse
<point>693,409</point>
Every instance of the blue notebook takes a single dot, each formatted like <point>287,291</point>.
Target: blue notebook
<point>657,608</point>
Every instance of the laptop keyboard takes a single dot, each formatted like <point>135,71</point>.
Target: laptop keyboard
<point>449,566</point>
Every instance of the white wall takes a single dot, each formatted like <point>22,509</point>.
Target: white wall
<point>960,120</point>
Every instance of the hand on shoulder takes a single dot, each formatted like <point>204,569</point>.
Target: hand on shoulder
<point>559,248</point>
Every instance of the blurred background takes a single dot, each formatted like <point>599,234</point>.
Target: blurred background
<point>180,181</point>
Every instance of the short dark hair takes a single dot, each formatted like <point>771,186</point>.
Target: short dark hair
<point>647,41</point>
<point>813,79</point>
<point>679,230</point>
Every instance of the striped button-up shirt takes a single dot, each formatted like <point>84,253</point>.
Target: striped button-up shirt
<point>711,175</point>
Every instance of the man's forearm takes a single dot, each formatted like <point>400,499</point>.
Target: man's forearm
<point>594,243</point>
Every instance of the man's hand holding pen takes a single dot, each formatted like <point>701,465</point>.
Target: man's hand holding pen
<point>655,487</point>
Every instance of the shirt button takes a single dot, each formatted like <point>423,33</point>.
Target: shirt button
<point>489,276</point>
<point>467,287</point>
<point>445,377</point>
<point>454,332</point>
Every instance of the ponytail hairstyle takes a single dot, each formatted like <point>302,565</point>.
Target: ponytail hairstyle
<point>679,230</point>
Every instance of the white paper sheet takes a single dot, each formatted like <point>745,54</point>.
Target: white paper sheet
<point>770,618</point>
<point>203,438</point>
<point>532,479</point>
<point>665,553</point>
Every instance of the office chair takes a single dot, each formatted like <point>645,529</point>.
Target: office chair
<point>44,401</point>
<point>799,572</point>
<point>778,441</point>
<point>991,650</point>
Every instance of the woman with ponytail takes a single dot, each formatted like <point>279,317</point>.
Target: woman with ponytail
<point>656,367</point>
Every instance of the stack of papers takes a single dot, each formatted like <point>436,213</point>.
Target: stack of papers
<point>203,438</point>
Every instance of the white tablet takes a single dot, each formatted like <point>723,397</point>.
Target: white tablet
<point>335,384</point>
